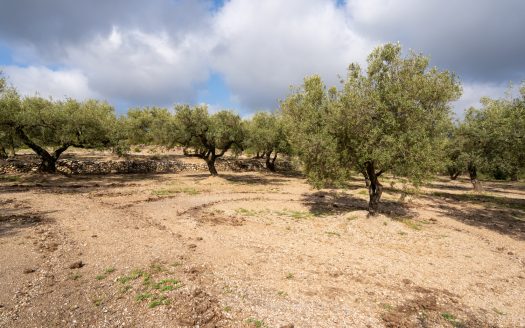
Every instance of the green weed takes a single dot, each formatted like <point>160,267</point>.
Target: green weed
<point>257,323</point>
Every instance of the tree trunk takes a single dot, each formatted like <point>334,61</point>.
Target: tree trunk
<point>3,154</point>
<point>453,173</point>
<point>270,162</point>
<point>48,164</point>
<point>473,173</point>
<point>514,175</point>
<point>211,166</point>
<point>375,189</point>
<point>367,180</point>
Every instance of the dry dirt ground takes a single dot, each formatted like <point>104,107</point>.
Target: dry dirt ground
<point>257,250</point>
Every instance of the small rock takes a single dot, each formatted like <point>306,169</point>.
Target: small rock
<point>76,265</point>
<point>199,238</point>
<point>192,246</point>
<point>290,325</point>
<point>94,236</point>
<point>29,270</point>
<point>510,253</point>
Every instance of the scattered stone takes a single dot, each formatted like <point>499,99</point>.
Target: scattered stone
<point>76,265</point>
<point>290,325</point>
<point>192,246</point>
<point>94,236</point>
<point>29,270</point>
<point>199,238</point>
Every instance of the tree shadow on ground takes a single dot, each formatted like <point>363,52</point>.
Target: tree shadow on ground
<point>254,179</point>
<point>483,199</point>
<point>246,178</point>
<point>506,221</point>
<point>12,220</point>
<point>60,184</point>
<point>333,202</point>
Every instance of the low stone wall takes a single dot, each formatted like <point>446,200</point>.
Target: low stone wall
<point>71,166</point>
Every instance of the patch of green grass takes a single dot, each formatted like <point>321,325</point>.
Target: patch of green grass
<point>282,293</point>
<point>297,214</point>
<point>97,301</point>
<point>143,296</point>
<point>135,274</point>
<point>167,285</point>
<point>246,212</point>
<point>125,288</point>
<point>363,192</point>
<point>109,270</point>
<point>352,217</point>
<point>447,316</point>
<point>75,276</point>
<point>289,275</point>
<point>159,300</point>
<point>412,224</point>
<point>100,277</point>
<point>257,323</point>
<point>498,311</point>
<point>176,264</point>
<point>402,233</point>
<point>175,190</point>
<point>227,289</point>
<point>387,306</point>
<point>332,233</point>
<point>452,320</point>
<point>10,178</point>
<point>227,309</point>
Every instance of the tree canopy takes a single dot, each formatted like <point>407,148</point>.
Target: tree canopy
<point>392,118</point>
<point>492,139</point>
<point>266,137</point>
<point>207,136</point>
<point>40,123</point>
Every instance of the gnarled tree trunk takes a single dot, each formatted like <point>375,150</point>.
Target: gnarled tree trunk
<point>48,164</point>
<point>375,189</point>
<point>367,180</point>
<point>473,173</point>
<point>211,166</point>
<point>453,173</point>
<point>3,154</point>
<point>270,162</point>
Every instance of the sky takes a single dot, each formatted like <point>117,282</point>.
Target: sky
<point>245,54</point>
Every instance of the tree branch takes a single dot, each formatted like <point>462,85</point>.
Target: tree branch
<point>25,139</point>
<point>225,149</point>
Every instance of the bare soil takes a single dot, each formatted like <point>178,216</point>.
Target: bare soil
<point>257,250</point>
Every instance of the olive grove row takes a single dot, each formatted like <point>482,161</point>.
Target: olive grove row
<point>394,117</point>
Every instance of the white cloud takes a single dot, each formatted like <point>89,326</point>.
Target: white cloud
<point>265,46</point>
<point>144,68</point>
<point>472,93</point>
<point>162,52</point>
<point>45,82</point>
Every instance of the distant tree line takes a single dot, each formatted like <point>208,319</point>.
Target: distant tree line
<point>394,117</point>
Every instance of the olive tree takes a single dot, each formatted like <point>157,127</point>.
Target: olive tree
<point>8,140</point>
<point>391,118</point>
<point>150,125</point>
<point>41,124</point>
<point>492,138</point>
<point>266,136</point>
<point>206,136</point>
